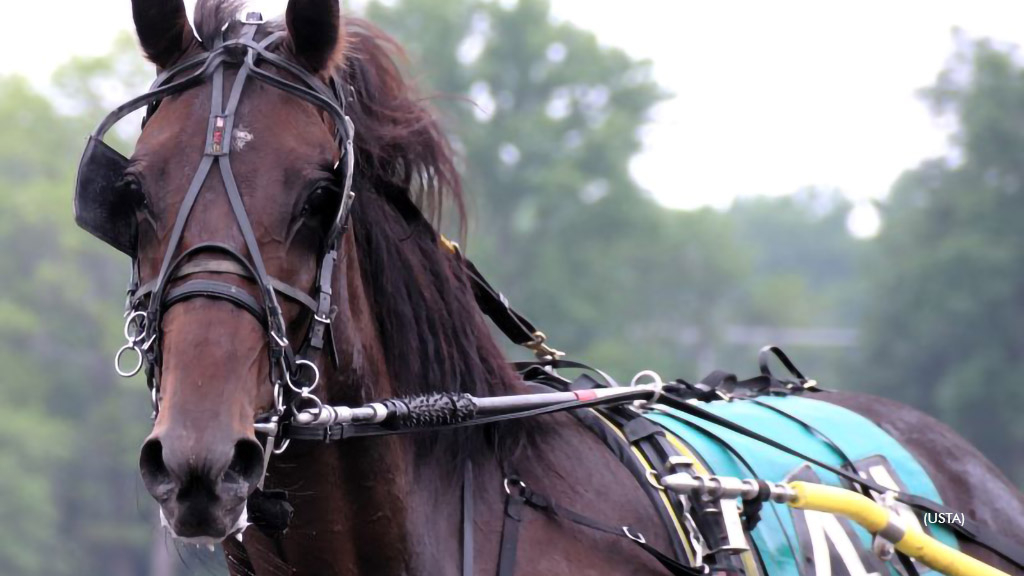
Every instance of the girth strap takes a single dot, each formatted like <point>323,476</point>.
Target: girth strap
<point>520,496</point>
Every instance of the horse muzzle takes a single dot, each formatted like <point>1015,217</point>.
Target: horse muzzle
<point>202,498</point>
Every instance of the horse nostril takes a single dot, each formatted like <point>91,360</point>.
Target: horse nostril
<point>246,464</point>
<point>154,471</point>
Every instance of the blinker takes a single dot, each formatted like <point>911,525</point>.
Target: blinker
<point>98,209</point>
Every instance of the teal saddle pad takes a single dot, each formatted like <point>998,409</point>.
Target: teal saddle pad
<point>783,537</point>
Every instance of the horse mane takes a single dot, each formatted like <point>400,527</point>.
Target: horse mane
<point>433,335</point>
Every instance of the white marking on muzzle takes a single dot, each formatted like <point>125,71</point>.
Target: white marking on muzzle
<point>240,525</point>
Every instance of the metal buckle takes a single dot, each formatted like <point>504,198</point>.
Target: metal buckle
<point>251,17</point>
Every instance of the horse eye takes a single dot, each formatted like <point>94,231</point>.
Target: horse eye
<point>129,187</point>
<point>319,201</point>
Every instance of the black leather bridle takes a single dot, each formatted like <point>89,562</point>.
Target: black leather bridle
<point>98,210</point>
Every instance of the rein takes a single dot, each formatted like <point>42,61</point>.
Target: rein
<point>437,412</point>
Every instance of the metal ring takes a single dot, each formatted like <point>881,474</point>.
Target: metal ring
<point>305,390</point>
<point>655,377</point>
<point>305,395</point>
<point>140,326</point>
<point>508,489</point>
<point>117,361</point>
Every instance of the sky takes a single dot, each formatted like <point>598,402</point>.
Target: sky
<point>769,97</point>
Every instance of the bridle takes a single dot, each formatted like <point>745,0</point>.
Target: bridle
<point>293,371</point>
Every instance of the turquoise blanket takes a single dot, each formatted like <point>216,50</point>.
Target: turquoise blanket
<point>781,532</point>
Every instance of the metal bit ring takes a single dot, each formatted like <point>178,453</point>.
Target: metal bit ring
<point>120,353</point>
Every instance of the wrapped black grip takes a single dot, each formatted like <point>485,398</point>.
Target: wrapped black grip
<point>429,410</point>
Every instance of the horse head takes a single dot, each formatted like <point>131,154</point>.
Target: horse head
<point>226,265</point>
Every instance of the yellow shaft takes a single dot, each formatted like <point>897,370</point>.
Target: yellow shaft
<point>874,517</point>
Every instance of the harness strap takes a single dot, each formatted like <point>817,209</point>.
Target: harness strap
<point>215,289</point>
<point>230,267</point>
<point>520,496</point>
<point>467,520</point>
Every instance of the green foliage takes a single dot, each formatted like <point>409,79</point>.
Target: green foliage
<point>70,430</point>
<point>559,224</point>
<point>944,331</point>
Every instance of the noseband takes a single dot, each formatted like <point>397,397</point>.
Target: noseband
<point>100,211</point>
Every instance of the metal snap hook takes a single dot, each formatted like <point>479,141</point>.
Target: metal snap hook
<point>638,537</point>
<point>120,354</point>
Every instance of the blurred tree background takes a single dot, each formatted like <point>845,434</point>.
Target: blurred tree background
<point>929,312</point>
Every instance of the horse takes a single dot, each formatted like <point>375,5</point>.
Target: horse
<point>338,171</point>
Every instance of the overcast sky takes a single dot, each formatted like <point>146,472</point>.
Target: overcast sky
<point>770,97</point>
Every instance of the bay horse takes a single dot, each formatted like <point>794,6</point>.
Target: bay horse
<point>401,318</point>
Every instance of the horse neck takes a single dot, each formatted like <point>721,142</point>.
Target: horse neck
<point>362,497</point>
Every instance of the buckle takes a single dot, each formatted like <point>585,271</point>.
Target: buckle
<point>251,17</point>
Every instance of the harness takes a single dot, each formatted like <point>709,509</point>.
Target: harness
<point>298,414</point>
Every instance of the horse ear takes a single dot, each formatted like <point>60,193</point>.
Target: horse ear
<point>163,30</point>
<point>314,28</point>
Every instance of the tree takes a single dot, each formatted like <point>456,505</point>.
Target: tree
<point>560,225</point>
<point>947,272</point>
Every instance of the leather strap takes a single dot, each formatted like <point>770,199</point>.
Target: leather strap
<point>215,289</point>
<point>520,496</point>
<point>467,520</point>
<point>514,505</point>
